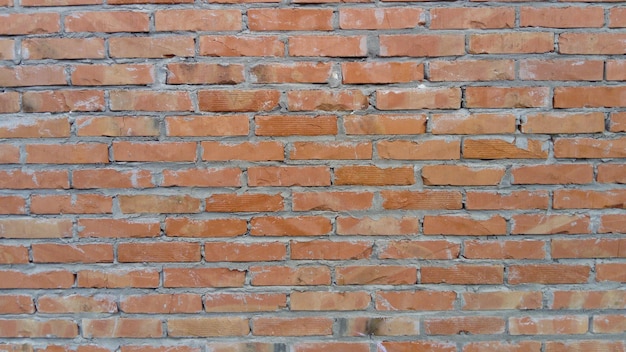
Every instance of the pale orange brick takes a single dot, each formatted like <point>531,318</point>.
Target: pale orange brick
<point>521,300</point>
<point>415,300</point>
<point>185,227</point>
<point>385,124</point>
<point>198,20</point>
<point>207,327</point>
<point>378,226</point>
<point>472,18</point>
<point>329,301</point>
<point>381,18</point>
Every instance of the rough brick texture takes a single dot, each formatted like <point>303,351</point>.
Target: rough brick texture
<point>312,175</point>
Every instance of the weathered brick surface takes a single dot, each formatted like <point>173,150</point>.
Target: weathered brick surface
<point>312,175</point>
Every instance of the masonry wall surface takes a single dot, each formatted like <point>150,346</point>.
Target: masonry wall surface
<point>310,175</point>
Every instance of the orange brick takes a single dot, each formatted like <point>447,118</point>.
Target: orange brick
<point>77,304</point>
<point>245,302</point>
<point>589,148</point>
<point>431,149</point>
<point>295,72</point>
<point>592,43</point>
<point>562,17</point>
<point>582,199</point>
<point>502,300</point>
<point>561,70</point>
<point>580,346</point>
<point>158,252</point>
<point>385,124</point>
<point>308,100</point>
<point>139,278</point>
<point>610,272</point>
<point>16,304</point>
<point>9,154</point>
<point>330,150</point>
<point>464,325</point>
<point>498,346</point>
<point>59,328</point>
<point>461,175</point>
<point>138,100</point>
<point>541,224</point>
<point>288,176</point>
<point>371,275</point>
<point>472,70</point>
<point>112,75</point>
<point>9,102</point>
<point>111,178</point>
<point>121,328</point>
<point>40,75</point>
<point>117,228</point>
<point>191,126</point>
<point>29,228</point>
<point>158,204</point>
<point>609,324</point>
<point>615,70</point>
<point>501,249</point>
<point>14,279</point>
<point>329,301</point>
<point>209,177</point>
<point>12,205</point>
<point>612,223</point>
<point>373,176</point>
<point>510,200</point>
<point>31,23</point>
<point>380,326</point>
<point>610,299</point>
<point>432,346</point>
<point>333,201</point>
<point>13,254</point>
<point>238,100</point>
<point>587,248</point>
<point>229,46</point>
<point>117,126</point>
<point>518,148</point>
<point>548,274</point>
<point>71,204</point>
<point>162,303</point>
<point>424,200</point>
<point>596,96</point>
<point>154,152</point>
<point>7,49</point>
<point>204,73</point>
<point>63,101</point>
<point>331,346</point>
<point>477,18</point>
<point>381,72</point>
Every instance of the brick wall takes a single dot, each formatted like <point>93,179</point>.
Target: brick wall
<point>311,175</point>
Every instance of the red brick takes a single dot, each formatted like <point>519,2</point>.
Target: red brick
<point>518,148</point>
<point>609,324</point>
<point>16,304</point>
<point>208,327</point>
<point>498,346</point>
<point>162,303</point>
<point>330,150</point>
<point>567,324</point>
<point>381,18</point>
<point>7,49</point>
<point>388,226</point>
<point>13,254</point>
<point>433,149</point>
<point>245,302</point>
<point>611,272</point>
<point>330,250</point>
<point>244,252</point>
<point>562,17</point>
<point>463,274</point>
<point>472,70</point>
<point>304,326</point>
<point>408,249</point>
<point>464,225</point>
<point>464,325</point>
<point>185,227</point>
<point>112,75</point>
<point>325,100</point>
<point>124,278</point>
<point>501,249</point>
<point>245,202</point>
<point>203,277</point>
<point>295,72</point>
<point>63,48</point>
<point>507,97</point>
<point>12,205</point>
<point>9,102</point>
<point>238,100</point>
<point>617,17</point>
<point>122,327</point>
<point>415,300</point>
<point>63,101</point>
<point>292,19</point>
<point>610,299</point>
<point>285,125</point>
<point>30,23</point>
<point>229,46</point>
<point>407,346</point>
<point>422,200</point>
<point>72,253</point>
<point>107,21</point>
<point>287,276</point>
<point>328,45</point>
<point>548,274</point>
<point>518,300</point>
<point>420,45</point>
<point>150,101</point>
<point>77,304</point>
<point>288,176</point>
<point>418,98</point>
<point>111,178</point>
<point>332,201</point>
<point>59,328</point>
<point>209,177</point>
<point>385,124</point>
<point>30,228</point>
<point>615,70</point>
<point>511,43</point>
<point>472,18</point>
<point>374,275</point>
<point>332,346</point>
<point>71,204</point>
<point>117,126</point>
<point>369,175</point>
<point>158,204</point>
<point>290,226</point>
<point>14,279</point>
<point>561,70</point>
<point>202,126</point>
<point>40,75</point>
<point>117,228</point>
<point>380,326</point>
<point>581,346</point>
<point>9,154</point>
<point>147,47</point>
<point>198,20</point>
<point>251,151</point>
<point>244,346</point>
<point>461,175</point>
<point>158,252</point>
<point>204,73</point>
<point>592,43</point>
